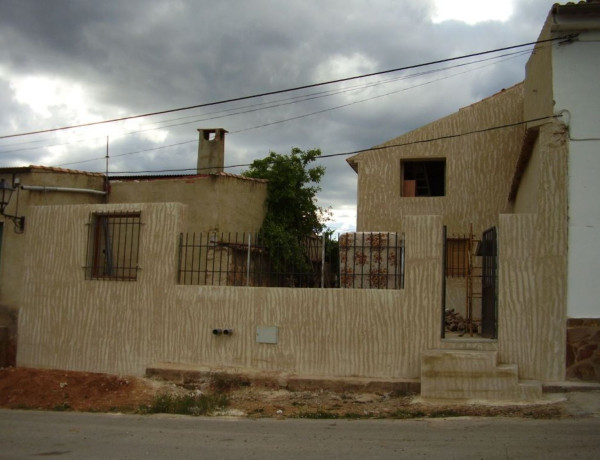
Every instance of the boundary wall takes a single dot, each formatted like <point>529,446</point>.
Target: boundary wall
<point>122,327</point>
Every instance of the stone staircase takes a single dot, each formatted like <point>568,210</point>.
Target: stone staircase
<point>473,375</point>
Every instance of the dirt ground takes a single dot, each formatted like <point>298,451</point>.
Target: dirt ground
<point>24,388</point>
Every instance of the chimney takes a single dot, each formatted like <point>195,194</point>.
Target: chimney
<point>211,151</point>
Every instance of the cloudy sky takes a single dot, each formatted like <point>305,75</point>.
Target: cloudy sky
<point>65,63</point>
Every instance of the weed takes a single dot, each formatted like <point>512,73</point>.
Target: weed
<point>445,413</point>
<point>61,407</point>
<point>224,383</point>
<point>188,404</point>
<point>404,414</point>
<point>317,415</point>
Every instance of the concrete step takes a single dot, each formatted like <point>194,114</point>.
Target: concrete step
<point>473,375</point>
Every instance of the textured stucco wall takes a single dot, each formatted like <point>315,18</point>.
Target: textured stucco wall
<point>67,322</point>
<point>532,268</point>
<point>13,244</point>
<point>561,80</point>
<point>216,202</point>
<point>539,101</point>
<point>479,168</point>
<point>107,326</point>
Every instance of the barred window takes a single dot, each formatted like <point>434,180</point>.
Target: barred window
<point>113,246</point>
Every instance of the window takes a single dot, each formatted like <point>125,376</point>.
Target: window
<point>423,177</point>
<point>113,245</point>
<point>457,257</point>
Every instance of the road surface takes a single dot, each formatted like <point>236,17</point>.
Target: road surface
<point>66,435</point>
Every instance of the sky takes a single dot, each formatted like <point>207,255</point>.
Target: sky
<point>71,62</point>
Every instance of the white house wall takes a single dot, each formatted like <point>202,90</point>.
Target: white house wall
<point>576,89</point>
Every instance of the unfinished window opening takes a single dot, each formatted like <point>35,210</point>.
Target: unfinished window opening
<point>423,177</point>
<point>113,246</point>
<point>457,257</point>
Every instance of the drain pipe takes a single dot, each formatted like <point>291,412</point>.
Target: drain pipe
<point>43,188</point>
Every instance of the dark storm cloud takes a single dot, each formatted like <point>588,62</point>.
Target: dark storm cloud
<point>141,56</point>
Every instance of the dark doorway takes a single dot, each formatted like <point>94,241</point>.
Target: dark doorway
<point>488,250</point>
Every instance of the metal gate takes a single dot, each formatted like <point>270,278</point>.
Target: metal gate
<point>489,292</point>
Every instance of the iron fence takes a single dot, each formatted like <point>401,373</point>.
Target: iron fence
<point>243,259</point>
<point>240,259</point>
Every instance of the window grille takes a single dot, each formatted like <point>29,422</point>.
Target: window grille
<point>113,246</point>
<point>372,260</point>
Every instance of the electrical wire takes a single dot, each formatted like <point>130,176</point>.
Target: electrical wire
<point>260,106</point>
<point>511,55</point>
<point>370,149</point>
<point>297,88</point>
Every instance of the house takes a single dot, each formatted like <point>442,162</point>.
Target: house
<point>515,167</point>
<point>523,163</point>
<point>215,201</point>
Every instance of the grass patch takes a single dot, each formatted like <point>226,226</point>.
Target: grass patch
<point>405,414</point>
<point>446,413</point>
<point>318,415</point>
<point>62,407</point>
<point>188,404</point>
<point>221,382</point>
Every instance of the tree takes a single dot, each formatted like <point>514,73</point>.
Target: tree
<point>292,213</point>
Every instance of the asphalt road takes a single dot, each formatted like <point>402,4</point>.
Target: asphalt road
<point>65,435</point>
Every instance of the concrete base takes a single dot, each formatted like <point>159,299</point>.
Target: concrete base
<point>194,376</point>
<point>473,375</point>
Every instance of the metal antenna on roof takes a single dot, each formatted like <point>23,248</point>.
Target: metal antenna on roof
<point>106,184</point>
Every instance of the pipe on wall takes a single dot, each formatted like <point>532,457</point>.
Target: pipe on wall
<point>43,188</point>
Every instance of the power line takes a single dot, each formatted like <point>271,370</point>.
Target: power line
<point>263,106</point>
<point>359,101</point>
<point>370,149</point>
<point>297,88</point>
<point>320,111</point>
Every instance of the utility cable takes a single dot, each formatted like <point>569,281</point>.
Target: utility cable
<point>308,114</point>
<point>257,107</point>
<point>371,149</point>
<point>297,88</point>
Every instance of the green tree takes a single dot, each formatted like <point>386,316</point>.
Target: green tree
<point>292,212</point>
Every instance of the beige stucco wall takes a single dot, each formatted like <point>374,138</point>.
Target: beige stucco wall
<point>70,323</point>
<point>66,322</point>
<point>12,262</point>
<point>539,100</point>
<point>479,168</point>
<point>532,266</point>
<point>223,203</point>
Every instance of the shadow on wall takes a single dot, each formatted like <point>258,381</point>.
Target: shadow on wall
<point>8,336</point>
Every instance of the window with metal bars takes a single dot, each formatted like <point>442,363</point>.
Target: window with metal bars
<point>113,246</point>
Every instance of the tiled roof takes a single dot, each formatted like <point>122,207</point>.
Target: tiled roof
<point>66,171</point>
<point>34,168</point>
<point>184,176</point>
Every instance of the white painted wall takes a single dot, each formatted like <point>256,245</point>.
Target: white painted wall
<point>576,89</point>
